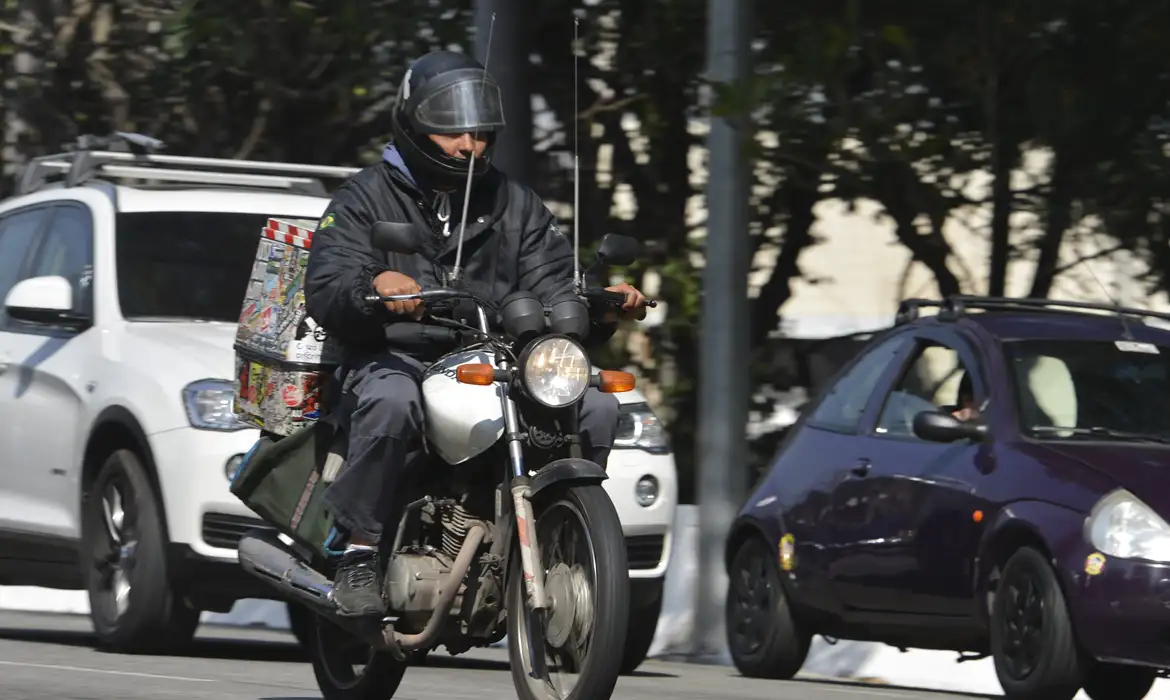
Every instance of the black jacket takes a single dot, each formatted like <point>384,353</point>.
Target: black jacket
<point>512,243</point>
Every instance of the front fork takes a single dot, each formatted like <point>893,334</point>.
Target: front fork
<point>522,505</point>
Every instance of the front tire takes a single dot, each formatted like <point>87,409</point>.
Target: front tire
<point>1032,643</point>
<point>1117,682</point>
<point>763,636</point>
<point>334,653</point>
<point>132,604</point>
<point>590,587</point>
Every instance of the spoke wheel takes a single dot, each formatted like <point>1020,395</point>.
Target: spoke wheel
<point>132,603</point>
<point>573,648</point>
<point>764,638</point>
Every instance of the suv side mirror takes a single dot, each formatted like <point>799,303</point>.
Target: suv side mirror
<point>937,426</point>
<point>46,300</point>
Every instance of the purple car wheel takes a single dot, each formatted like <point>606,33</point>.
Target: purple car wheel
<point>1116,682</point>
<point>764,638</point>
<point>1032,642</point>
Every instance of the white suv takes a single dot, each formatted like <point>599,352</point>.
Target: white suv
<point>116,381</point>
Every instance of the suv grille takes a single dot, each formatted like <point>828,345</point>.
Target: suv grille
<point>644,551</point>
<point>225,531</point>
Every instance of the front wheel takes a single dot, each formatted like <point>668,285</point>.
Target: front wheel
<point>133,605</point>
<point>1032,642</point>
<point>579,638</point>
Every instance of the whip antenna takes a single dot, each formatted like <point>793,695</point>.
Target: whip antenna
<point>577,281</point>
<point>471,160</point>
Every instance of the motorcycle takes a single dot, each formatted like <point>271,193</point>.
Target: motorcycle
<point>507,530</point>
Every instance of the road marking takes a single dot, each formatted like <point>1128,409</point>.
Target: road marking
<point>106,672</point>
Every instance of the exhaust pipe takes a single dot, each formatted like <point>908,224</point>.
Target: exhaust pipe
<point>263,555</point>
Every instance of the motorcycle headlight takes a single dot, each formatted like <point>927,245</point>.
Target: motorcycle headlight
<point>555,372</point>
<point>1122,526</point>
<point>640,429</point>
<point>209,405</point>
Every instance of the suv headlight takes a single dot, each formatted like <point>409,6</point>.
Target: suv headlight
<point>640,429</point>
<point>555,371</point>
<point>209,405</point>
<point>1122,526</point>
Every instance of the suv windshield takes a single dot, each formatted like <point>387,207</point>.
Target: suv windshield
<point>184,265</point>
<point>1097,389</point>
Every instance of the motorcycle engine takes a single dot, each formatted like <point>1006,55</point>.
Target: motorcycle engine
<point>414,576</point>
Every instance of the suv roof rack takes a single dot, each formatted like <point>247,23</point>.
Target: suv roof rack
<point>956,305</point>
<point>130,156</point>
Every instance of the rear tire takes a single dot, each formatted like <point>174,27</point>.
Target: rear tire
<point>763,636</point>
<point>133,606</point>
<point>1117,682</point>
<point>597,673</point>
<point>334,653</point>
<point>1032,642</point>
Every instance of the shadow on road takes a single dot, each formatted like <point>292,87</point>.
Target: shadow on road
<point>256,650</point>
<point>854,684</point>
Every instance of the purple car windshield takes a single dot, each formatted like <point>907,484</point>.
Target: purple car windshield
<point>1100,388</point>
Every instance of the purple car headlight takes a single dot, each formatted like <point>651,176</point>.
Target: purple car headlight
<point>1120,525</point>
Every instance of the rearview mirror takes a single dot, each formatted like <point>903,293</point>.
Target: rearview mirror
<point>396,237</point>
<point>619,250</point>
<point>937,426</point>
<point>46,299</point>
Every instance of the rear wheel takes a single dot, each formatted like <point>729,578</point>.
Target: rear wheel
<point>132,603</point>
<point>347,668</point>
<point>762,634</point>
<point>1032,642</point>
<point>1117,682</point>
<point>574,650</point>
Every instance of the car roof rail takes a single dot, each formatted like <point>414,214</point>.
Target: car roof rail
<point>955,305</point>
<point>130,156</point>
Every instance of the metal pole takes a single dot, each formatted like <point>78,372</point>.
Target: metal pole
<point>724,346</point>
<point>509,66</point>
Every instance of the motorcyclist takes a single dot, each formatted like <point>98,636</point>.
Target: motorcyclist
<point>448,107</point>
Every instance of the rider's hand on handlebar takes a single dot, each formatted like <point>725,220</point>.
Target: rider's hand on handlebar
<point>392,283</point>
<point>635,306</point>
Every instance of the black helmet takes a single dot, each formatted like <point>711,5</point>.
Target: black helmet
<point>445,93</point>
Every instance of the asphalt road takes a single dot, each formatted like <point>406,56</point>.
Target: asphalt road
<point>50,656</point>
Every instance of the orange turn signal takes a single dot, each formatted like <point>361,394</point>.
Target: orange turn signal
<point>477,374</point>
<point>614,382</point>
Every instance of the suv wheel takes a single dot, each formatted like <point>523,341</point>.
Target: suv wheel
<point>1032,642</point>
<point>131,601</point>
<point>645,609</point>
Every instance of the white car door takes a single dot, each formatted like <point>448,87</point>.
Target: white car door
<point>43,393</point>
<point>19,233</point>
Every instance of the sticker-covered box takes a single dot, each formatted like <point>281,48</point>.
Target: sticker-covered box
<point>283,358</point>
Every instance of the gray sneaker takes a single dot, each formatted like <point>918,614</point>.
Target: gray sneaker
<point>357,586</point>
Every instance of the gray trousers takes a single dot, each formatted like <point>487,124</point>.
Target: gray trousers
<point>380,410</point>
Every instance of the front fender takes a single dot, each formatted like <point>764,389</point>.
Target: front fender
<point>571,469</point>
<point>1057,530</point>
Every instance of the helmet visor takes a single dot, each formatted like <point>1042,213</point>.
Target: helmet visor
<point>467,105</point>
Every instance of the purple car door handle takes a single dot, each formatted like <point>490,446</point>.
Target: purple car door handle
<point>862,467</point>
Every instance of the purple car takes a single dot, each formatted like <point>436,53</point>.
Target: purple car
<point>993,480</point>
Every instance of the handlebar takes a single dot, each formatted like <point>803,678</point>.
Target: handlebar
<point>593,294</point>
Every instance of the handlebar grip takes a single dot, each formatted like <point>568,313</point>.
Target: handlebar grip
<point>613,298</point>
